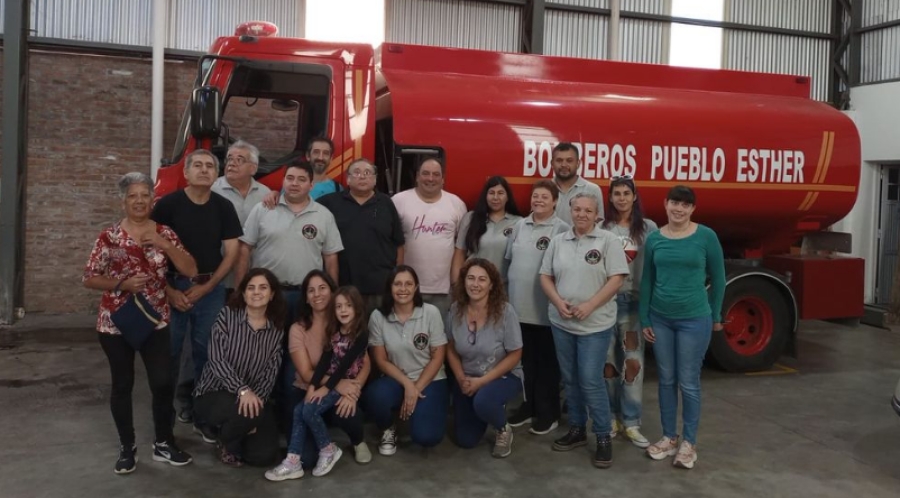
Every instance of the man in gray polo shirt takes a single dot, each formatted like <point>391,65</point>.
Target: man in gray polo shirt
<point>565,174</point>
<point>297,236</point>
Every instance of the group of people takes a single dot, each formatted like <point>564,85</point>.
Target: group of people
<point>306,310</point>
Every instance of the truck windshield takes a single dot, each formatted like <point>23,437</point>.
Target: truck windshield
<point>277,108</point>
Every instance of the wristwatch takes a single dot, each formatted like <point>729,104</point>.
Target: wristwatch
<point>242,392</point>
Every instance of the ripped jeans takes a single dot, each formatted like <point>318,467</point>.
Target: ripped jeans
<point>624,370</point>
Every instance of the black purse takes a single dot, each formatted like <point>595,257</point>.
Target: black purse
<point>136,320</point>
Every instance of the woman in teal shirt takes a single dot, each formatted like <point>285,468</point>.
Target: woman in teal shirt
<point>678,316</point>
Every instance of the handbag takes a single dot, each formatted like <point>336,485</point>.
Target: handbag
<point>136,320</point>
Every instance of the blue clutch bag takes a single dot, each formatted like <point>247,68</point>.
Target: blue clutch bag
<point>136,320</point>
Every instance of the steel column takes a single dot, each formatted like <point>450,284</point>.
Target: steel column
<point>533,27</point>
<point>14,166</point>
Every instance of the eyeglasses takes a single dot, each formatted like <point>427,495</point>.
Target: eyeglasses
<point>473,327</point>
<point>239,160</point>
<point>621,178</point>
<point>362,174</point>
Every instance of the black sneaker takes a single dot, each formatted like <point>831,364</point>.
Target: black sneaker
<point>127,460</point>
<point>603,456</point>
<point>519,419</point>
<point>541,427</point>
<point>169,452</point>
<point>573,439</point>
<point>208,435</point>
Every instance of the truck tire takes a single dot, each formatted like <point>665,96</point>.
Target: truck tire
<point>758,326</point>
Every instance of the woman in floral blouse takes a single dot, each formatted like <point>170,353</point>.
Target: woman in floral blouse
<point>132,257</point>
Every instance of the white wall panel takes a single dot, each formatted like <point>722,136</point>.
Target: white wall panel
<point>805,15</point>
<point>644,41</point>
<point>770,53</point>
<point>880,55</point>
<point>454,23</point>
<point>195,24</point>
<point>880,11</point>
<point>575,34</point>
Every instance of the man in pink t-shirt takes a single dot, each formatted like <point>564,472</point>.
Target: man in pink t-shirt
<point>430,218</point>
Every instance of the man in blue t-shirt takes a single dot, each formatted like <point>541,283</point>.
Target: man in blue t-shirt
<point>318,153</point>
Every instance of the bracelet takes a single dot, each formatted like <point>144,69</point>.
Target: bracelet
<point>116,288</point>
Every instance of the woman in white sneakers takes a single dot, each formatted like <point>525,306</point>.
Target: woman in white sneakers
<point>408,344</point>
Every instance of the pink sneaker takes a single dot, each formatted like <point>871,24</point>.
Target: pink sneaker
<point>686,456</point>
<point>663,448</point>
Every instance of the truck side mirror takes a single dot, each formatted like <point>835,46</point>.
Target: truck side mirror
<point>206,112</point>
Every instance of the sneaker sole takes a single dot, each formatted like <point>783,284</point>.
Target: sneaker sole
<point>663,455</point>
<point>203,436</point>
<point>536,432</point>
<point>387,452</point>
<point>521,423</point>
<point>557,447</point>
<point>684,465</point>
<point>641,444</point>
<point>326,470</point>
<point>127,471</point>
<point>294,475</point>
<point>602,464</point>
<point>157,458</point>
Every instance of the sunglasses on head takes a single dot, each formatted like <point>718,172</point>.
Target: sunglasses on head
<point>621,179</point>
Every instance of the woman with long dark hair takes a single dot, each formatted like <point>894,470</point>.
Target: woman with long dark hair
<point>408,344</point>
<point>483,231</point>
<point>306,344</point>
<point>245,354</point>
<point>624,371</point>
<point>485,356</point>
<point>679,315</point>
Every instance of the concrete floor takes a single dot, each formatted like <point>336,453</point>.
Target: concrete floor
<point>824,430</point>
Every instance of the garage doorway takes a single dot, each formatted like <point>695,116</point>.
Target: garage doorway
<point>888,233</point>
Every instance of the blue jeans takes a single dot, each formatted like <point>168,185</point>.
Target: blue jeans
<point>284,390</point>
<point>197,324</point>
<point>679,350</point>
<point>309,416</point>
<point>581,359</point>
<point>428,422</point>
<point>626,348</point>
<point>473,414</point>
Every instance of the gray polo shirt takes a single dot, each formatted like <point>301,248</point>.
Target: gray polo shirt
<point>481,351</point>
<point>291,245</point>
<point>409,344</point>
<point>492,244</point>
<point>242,205</point>
<point>634,254</point>
<point>564,211</point>
<point>525,249</point>
<point>581,267</point>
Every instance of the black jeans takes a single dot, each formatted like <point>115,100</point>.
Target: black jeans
<point>352,426</point>
<point>155,354</point>
<point>218,410</point>
<point>541,370</point>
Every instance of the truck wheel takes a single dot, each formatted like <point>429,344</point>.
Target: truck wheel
<point>757,326</point>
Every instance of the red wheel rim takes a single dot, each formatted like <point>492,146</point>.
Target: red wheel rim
<point>749,326</point>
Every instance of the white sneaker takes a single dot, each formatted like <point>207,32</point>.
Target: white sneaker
<point>388,445</point>
<point>285,470</point>
<point>361,453</point>
<point>634,434</point>
<point>327,459</point>
<point>663,448</point>
<point>617,427</point>
<point>686,456</point>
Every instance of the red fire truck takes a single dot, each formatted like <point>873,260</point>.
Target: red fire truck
<point>771,167</point>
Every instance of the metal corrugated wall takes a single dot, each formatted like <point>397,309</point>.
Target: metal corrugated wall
<point>454,23</point>
<point>193,24</point>
<point>775,53</point>
<point>881,48</point>
<point>583,34</point>
<point>219,18</point>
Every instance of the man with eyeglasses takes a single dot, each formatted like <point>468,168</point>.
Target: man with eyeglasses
<point>370,229</point>
<point>431,217</point>
<point>564,159</point>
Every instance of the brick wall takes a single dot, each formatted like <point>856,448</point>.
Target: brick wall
<point>88,123</point>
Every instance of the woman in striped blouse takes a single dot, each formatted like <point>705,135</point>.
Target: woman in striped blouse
<point>244,360</point>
